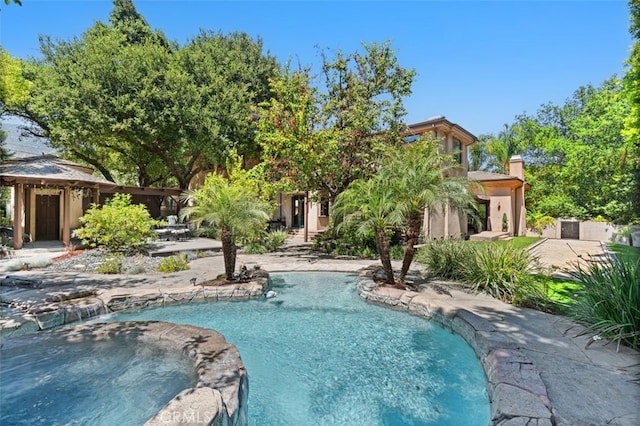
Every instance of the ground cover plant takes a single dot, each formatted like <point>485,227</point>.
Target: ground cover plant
<point>609,300</point>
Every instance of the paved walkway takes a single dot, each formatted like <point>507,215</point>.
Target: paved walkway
<point>556,256</point>
<point>598,385</point>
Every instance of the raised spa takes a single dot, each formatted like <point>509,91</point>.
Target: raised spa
<point>55,381</point>
<point>318,354</point>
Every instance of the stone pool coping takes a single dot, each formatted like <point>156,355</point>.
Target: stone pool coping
<point>221,391</point>
<point>517,394</point>
<point>67,306</point>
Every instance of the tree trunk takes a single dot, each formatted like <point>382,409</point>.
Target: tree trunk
<point>385,257</point>
<point>414,224</point>
<point>229,253</point>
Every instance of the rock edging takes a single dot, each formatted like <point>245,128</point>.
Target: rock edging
<point>517,393</point>
<point>61,309</point>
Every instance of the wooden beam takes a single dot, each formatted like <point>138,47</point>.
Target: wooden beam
<point>66,216</point>
<point>18,207</point>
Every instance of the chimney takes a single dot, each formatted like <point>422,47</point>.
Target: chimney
<point>516,167</point>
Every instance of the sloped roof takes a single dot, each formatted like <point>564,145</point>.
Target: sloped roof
<point>50,170</point>
<point>481,176</point>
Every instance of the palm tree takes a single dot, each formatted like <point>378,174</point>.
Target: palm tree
<point>478,155</point>
<point>424,179</point>
<point>370,205</point>
<point>231,209</point>
<point>504,147</point>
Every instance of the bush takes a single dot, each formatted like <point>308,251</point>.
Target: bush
<point>609,301</point>
<point>111,265</point>
<point>397,252</point>
<point>174,264</point>
<point>118,225</point>
<point>253,248</point>
<point>503,272</point>
<point>275,239</point>
<point>264,242</point>
<point>447,258</point>
<point>347,242</point>
<point>500,270</point>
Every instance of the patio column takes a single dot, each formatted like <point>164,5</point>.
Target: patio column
<point>18,207</point>
<point>66,216</point>
<point>306,216</point>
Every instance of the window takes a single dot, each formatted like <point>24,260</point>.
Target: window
<point>412,138</point>
<point>324,207</point>
<point>457,150</point>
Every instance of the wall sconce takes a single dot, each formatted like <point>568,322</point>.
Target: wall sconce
<point>498,206</point>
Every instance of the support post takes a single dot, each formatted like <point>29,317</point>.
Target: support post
<point>66,216</point>
<point>18,207</point>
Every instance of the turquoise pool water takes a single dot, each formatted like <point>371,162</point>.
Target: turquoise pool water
<point>317,354</point>
<point>90,383</point>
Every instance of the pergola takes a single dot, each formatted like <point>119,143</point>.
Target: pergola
<point>62,176</point>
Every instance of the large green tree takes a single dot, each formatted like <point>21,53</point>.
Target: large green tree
<point>146,111</point>
<point>331,132</point>
<point>632,89</point>
<point>578,161</point>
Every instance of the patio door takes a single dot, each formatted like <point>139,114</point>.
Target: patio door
<point>297,211</point>
<point>47,217</point>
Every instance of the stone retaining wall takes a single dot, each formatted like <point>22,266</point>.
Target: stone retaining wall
<point>221,392</point>
<point>74,305</point>
<point>517,393</point>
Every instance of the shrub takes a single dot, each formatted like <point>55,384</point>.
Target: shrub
<point>174,264</point>
<point>111,265</point>
<point>446,258</point>
<point>609,301</point>
<point>136,269</point>
<point>397,252</point>
<point>539,222</point>
<point>275,239</point>
<point>264,242</point>
<point>347,242</point>
<point>500,270</point>
<point>118,225</point>
<point>253,248</point>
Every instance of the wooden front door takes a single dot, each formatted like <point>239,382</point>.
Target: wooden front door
<point>47,217</point>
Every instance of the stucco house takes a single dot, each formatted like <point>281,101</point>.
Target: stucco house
<point>498,195</point>
<point>297,212</point>
<point>501,207</point>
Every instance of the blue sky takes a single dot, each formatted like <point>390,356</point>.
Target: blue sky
<point>479,63</point>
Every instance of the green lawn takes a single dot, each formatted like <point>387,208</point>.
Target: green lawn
<point>559,290</point>
<point>625,252</point>
<point>520,242</point>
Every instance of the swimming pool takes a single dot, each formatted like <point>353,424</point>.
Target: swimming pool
<point>318,354</point>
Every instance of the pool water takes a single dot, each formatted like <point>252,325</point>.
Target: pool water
<point>90,383</point>
<point>317,354</point>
